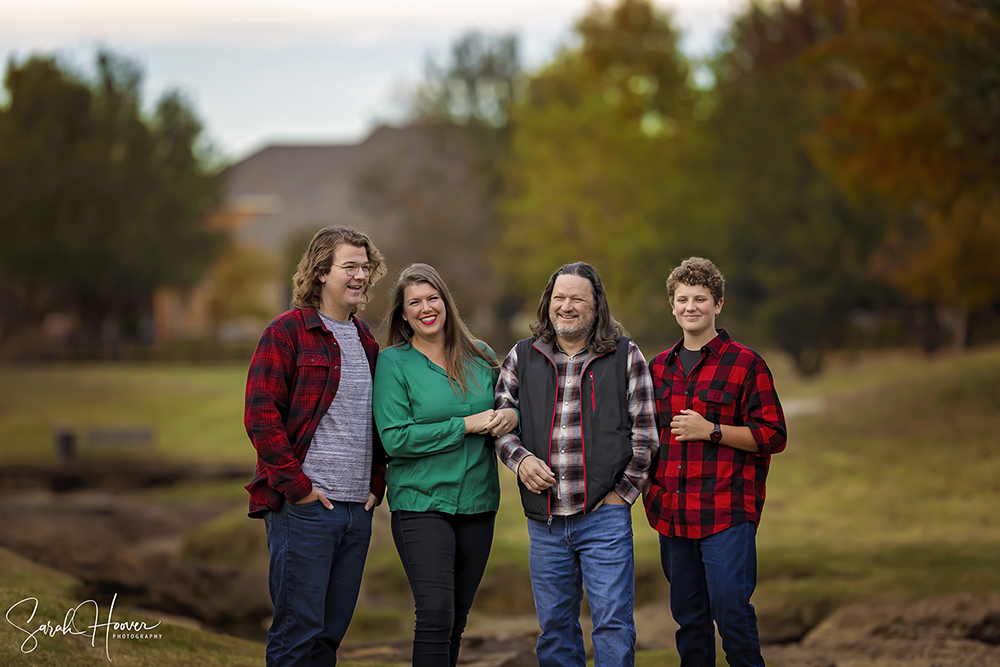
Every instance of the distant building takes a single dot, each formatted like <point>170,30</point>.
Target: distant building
<point>415,190</point>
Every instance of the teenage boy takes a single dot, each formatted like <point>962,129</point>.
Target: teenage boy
<point>719,421</point>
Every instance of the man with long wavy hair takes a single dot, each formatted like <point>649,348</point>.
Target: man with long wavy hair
<point>582,457</point>
<point>320,465</point>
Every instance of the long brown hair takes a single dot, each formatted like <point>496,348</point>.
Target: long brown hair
<point>607,331</point>
<point>318,258</point>
<point>460,347</point>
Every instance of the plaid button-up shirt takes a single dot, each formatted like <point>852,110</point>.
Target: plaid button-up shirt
<point>700,488</point>
<point>293,376</point>
<point>567,495</point>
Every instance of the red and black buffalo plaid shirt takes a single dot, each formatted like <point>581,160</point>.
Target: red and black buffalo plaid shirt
<point>700,488</point>
<point>292,380</point>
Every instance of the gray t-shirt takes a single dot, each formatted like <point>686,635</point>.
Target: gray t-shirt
<point>339,459</point>
<point>688,359</point>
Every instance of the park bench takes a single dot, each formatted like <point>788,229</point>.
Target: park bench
<point>134,437</point>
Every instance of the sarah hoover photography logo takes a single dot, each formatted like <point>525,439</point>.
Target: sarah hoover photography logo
<point>21,615</point>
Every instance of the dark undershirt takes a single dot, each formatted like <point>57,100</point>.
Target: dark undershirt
<point>688,359</point>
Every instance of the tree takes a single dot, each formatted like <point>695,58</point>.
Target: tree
<point>595,171</point>
<point>917,127</point>
<point>796,249</point>
<point>98,204</point>
<point>477,86</point>
<point>438,184</point>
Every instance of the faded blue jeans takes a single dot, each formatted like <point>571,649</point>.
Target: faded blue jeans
<point>592,550</point>
<point>712,579</point>
<point>317,557</point>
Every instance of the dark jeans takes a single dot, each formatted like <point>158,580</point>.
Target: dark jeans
<point>444,556</point>
<point>712,578</point>
<point>317,557</point>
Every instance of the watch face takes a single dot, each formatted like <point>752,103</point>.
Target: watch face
<point>716,434</point>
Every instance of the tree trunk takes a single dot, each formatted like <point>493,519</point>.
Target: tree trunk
<point>808,361</point>
<point>956,321</point>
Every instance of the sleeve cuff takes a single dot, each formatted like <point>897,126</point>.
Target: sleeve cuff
<point>299,489</point>
<point>627,491</point>
<point>515,459</point>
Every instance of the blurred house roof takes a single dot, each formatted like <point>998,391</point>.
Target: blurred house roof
<point>285,190</point>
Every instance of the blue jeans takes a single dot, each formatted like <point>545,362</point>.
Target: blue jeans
<point>317,557</point>
<point>712,578</point>
<point>592,550</point>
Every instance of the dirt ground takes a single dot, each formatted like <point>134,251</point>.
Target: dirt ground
<point>134,549</point>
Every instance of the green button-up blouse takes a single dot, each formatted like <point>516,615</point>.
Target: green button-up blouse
<point>435,465</point>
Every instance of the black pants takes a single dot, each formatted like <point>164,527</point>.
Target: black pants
<point>444,556</point>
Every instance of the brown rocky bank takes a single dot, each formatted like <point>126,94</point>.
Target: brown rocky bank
<point>134,549</point>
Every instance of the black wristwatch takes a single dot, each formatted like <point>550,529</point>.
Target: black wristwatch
<point>716,436</point>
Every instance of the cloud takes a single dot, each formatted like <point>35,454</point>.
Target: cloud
<point>269,23</point>
<point>49,23</point>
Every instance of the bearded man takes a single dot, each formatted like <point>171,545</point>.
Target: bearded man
<point>582,455</point>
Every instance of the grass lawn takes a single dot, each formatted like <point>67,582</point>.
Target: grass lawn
<point>893,489</point>
<point>196,411</point>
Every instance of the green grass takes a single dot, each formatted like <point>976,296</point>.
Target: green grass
<point>892,491</point>
<point>196,411</point>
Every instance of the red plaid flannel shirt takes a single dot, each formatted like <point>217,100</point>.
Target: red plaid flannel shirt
<point>293,377</point>
<point>700,488</point>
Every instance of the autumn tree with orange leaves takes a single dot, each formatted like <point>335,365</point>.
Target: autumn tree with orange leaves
<point>918,125</point>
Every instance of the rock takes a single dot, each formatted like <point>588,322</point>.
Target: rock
<point>790,623</point>
<point>133,549</point>
<point>987,630</point>
<point>936,632</point>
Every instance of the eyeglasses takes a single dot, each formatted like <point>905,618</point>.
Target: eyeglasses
<point>352,269</point>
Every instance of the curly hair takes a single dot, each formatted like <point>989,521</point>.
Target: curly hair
<point>318,259</point>
<point>697,271</point>
<point>607,330</point>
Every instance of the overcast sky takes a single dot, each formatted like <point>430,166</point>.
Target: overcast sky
<point>293,71</point>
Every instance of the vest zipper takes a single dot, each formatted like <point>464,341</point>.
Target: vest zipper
<point>593,392</point>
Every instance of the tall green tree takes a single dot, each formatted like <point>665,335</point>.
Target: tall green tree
<point>595,171</point>
<point>99,204</point>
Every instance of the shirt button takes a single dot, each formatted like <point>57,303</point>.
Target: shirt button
<point>678,491</point>
<point>566,404</point>
<point>562,451</point>
<point>336,368</point>
<point>687,393</point>
<point>678,466</point>
<point>563,477</point>
<point>564,425</point>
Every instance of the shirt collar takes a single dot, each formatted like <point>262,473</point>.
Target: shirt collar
<point>313,320</point>
<point>714,346</point>
<point>550,350</point>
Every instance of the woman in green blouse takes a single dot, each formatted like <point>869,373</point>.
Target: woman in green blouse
<point>433,403</point>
